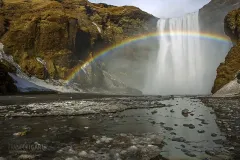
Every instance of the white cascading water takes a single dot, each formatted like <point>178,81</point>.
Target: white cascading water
<point>179,67</point>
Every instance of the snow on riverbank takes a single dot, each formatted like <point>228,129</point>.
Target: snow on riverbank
<point>81,107</point>
<point>35,84</point>
<point>230,89</point>
<point>25,86</point>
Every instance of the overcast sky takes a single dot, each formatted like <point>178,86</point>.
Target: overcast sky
<point>160,8</point>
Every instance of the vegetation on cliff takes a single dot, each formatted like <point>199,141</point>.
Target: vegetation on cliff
<point>226,72</point>
<point>62,32</point>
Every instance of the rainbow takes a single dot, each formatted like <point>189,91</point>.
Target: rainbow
<point>204,35</point>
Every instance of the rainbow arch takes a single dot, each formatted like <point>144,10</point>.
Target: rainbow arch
<point>202,35</point>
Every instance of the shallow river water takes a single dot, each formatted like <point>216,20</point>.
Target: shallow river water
<point>193,135</point>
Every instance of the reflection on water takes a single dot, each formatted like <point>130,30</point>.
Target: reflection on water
<point>169,121</point>
<point>201,118</point>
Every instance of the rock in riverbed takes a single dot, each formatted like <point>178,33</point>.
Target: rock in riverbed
<point>201,131</point>
<point>185,112</point>
<point>191,126</point>
<point>179,139</point>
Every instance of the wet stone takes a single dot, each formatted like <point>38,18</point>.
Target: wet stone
<point>123,152</point>
<point>154,112</point>
<point>219,141</point>
<point>71,151</point>
<point>214,135</point>
<point>157,140</point>
<point>153,122</point>
<point>204,122</point>
<point>26,156</point>
<point>201,131</point>
<point>191,126</point>
<point>105,139</point>
<point>231,149</point>
<point>188,153</point>
<point>72,158</point>
<point>179,139</point>
<point>132,149</point>
<point>168,128</point>
<point>185,112</point>
<point>211,153</point>
<point>82,154</point>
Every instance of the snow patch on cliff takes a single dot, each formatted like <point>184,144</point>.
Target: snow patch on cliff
<point>230,89</point>
<point>98,28</point>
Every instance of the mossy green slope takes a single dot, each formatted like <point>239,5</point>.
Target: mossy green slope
<point>226,71</point>
<point>62,32</point>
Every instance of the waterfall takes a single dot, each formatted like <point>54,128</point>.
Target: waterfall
<point>179,67</point>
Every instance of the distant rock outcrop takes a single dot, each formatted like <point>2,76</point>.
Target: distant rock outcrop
<point>220,17</point>
<point>213,14</point>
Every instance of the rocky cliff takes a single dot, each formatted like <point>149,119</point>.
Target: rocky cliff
<point>63,32</point>
<point>212,18</point>
<point>227,71</point>
<point>212,15</point>
<point>6,81</point>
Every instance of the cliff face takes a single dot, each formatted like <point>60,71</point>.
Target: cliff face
<point>212,18</point>
<point>6,81</point>
<point>212,15</point>
<point>64,32</point>
<point>227,71</point>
